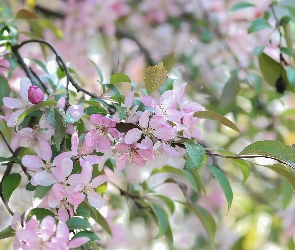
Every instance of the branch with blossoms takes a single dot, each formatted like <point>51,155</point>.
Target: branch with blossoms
<point>73,148</point>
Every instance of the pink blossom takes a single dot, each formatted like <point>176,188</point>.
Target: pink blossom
<point>100,137</point>
<point>35,94</point>
<point>82,183</point>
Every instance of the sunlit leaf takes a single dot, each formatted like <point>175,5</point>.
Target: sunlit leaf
<point>258,24</point>
<point>224,183</point>
<point>275,149</point>
<point>9,184</point>
<point>211,115</point>
<point>26,14</point>
<point>119,77</point>
<point>155,77</point>
<point>7,233</point>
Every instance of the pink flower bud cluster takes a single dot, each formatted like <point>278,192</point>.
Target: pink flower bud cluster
<point>45,235</point>
<point>35,94</point>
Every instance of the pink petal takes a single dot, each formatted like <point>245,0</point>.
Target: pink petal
<point>78,242</point>
<point>133,135</point>
<point>52,201</point>
<point>122,161</point>
<point>93,159</point>
<point>149,101</point>
<point>165,132</point>
<point>103,144</point>
<point>86,172</point>
<point>62,231</point>
<point>144,119</point>
<point>32,162</point>
<point>61,103</point>
<point>28,236</point>
<point>58,159</point>
<point>138,160</point>
<point>76,111</point>
<point>115,133</point>
<point>25,84</point>
<point>192,107</point>
<point>14,117</point>
<point>58,174</point>
<point>180,93</point>
<point>12,103</point>
<point>45,151</point>
<point>167,100</point>
<point>47,227</point>
<point>66,166</point>
<point>58,191</point>
<point>16,220</point>
<point>44,179</point>
<point>63,214</point>
<point>91,138</point>
<point>75,143</point>
<point>99,180</point>
<point>129,97</point>
<point>169,150</point>
<point>75,198</point>
<point>95,200</point>
<point>97,119</point>
<point>32,223</point>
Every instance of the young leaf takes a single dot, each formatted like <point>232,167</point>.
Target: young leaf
<point>7,233</point>
<point>9,184</point>
<point>155,77</point>
<point>62,73</point>
<point>207,220</point>
<point>161,218</point>
<point>200,180</point>
<point>77,223</point>
<point>4,89</point>
<point>287,192</point>
<point>230,91</point>
<point>26,14</point>
<point>36,107</point>
<point>40,213</point>
<point>211,115</point>
<point>57,118</point>
<point>271,70</point>
<point>4,160</point>
<point>167,201</point>
<point>92,236</point>
<point>98,70</point>
<point>291,75</point>
<point>83,212</point>
<point>119,77</point>
<point>241,5</point>
<point>115,90</point>
<point>258,24</point>
<point>285,20</point>
<point>223,182</point>
<point>283,171</point>
<point>196,153</point>
<point>275,149</point>
<point>244,168</point>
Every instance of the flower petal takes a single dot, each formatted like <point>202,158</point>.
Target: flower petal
<point>95,200</point>
<point>45,151</point>
<point>47,227</point>
<point>99,180</point>
<point>25,84</point>
<point>133,135</point>
<point>32,162</point>
<point>44,179</point>
<point>78,242</point>
<point>12,103</point>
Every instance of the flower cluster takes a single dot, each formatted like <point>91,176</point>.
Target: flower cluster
<point>45,235</point>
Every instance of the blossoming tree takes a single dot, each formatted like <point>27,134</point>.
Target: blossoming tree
<point>87,153</point>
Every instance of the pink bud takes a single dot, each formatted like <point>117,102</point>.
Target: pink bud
<point>35,94</point>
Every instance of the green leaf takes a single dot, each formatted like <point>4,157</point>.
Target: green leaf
<point>286,51</point>
<point>36,107</point>
<point>95,110</point>
<point>200,180</point>
<point>39,63</point>
<point>211,115</point>
<point>121,111</point>
<point>223,182</point>
<point>207,220</point>
<point>119,77</point>
<point>96,215</point>
<point>291,75</point>
<point>155,77</point>
<point>98,70</point>
<point>274,149</point>
<point>196,153</point>
<point>4,160</point>
<point>40,213</point>
<point>230,91</point>
<point>92,236</point>
<point>186,174</point>
<point>167,201</point>
<point>7,233</point>
<point>258,50</point>
<point>57,118</point>
<point>77,223</point>
<point>271,70</point>
<point>285,20</point>
<point>4,89</point>
<point>244,168</point>
<point>61,73</point>
<point>287,192</point>
<point>40,192</point>
<point>26,14</point>
<point>283,171</point>
<point>9,184</point>
<point>258,24</point>
<point>161,218</point>
<point>115,90</point>
<point>241,5</point>
<point>83,212</point>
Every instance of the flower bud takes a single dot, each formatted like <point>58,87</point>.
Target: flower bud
<point>35,95</point>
